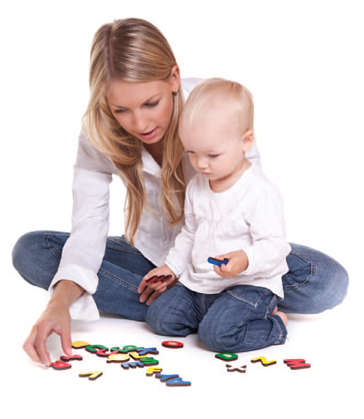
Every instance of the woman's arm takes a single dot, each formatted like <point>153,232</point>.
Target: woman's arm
<point>76,279</point>
<point>55,318</point>
<point>84,250</point>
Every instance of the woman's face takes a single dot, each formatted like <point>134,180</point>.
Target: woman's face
<point>144,109</point>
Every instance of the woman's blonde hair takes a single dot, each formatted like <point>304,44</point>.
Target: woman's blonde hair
<point>134,50</point>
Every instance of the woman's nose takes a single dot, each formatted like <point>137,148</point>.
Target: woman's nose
<point>139,122</point>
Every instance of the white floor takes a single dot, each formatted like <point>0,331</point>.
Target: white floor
<point>329,342</point>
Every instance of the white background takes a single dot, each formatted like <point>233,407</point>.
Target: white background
<point>303,62</point>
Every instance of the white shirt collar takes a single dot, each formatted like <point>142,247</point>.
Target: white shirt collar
<point>149,164</point>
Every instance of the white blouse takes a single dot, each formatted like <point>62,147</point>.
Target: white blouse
<point>84,250</point>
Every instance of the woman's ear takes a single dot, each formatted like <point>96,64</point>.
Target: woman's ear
<point>175,78</point>
<point>247,140</point>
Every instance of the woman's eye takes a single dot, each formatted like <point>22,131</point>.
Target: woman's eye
<point>151,104</point>
<point>119,110</point>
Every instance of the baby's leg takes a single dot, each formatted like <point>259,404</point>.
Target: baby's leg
<point>240,320</point>
<point>173,313</point>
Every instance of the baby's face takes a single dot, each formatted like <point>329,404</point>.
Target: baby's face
<point>215,145</point>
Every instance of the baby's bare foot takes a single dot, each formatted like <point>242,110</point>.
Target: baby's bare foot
<point>281,315</point>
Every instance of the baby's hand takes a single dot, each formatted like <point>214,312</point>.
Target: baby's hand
<point>238,263</point>
<point>155,283</point>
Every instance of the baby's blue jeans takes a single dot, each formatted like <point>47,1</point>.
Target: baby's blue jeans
<point>315,282</point>
<point>236,320</point>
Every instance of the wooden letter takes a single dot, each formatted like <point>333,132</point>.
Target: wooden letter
<point>92,375</point>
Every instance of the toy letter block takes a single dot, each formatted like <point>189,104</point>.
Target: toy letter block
<point>217,262</point>
<point>80,344</point>
<point>71,358</point>
<point>165,377</point>
<point>241,369</point>
<point>226,356</point>
<point>118,350</point>
<point>297,364</point>
<point>61,365</point>
<point>177,382</point>
<point>148,360</point>
<point>132,364</point>
<point>158,278</point>
<point>132,348</point>
<point>92,375</point>
<point>173,380</point>
<point>146,351</point>
<point>135,355</point>
<point>263,361</point>
<point>153,370</point>
<point>118,358</point>
<point>172,344</point>
<point>94,348</point>
<point>103,353</point>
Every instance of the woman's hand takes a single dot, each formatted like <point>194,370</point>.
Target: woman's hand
<point>238,263</point>
<point>55,318</point>
<point>150,291</point>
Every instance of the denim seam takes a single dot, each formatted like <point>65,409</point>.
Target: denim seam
<point>303,284</point>
<point>244,301</point>
<point>270,307</point>
<point>47,246</point>
<point>116,278</point>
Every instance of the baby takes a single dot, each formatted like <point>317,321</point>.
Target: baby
<point>234,214</point>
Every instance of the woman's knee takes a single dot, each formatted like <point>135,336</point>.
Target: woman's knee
<point>333,290</point>
<point>25,246</point>
<point>33,261</point>
<point>322,287</point>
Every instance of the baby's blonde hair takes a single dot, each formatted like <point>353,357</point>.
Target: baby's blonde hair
<point>134,50</point>
<point>224,94</point>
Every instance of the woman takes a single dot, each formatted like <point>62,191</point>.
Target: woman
<point>130,129</point>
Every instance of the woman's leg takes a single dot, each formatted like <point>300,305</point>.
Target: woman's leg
<point>315,282</point>
<point>240,320</point>
<point>36,257</point>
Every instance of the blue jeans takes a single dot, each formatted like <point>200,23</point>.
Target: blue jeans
<point>315,282</point>
<point>236,320</point>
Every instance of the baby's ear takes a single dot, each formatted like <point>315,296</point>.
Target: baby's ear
<point>247,140</point>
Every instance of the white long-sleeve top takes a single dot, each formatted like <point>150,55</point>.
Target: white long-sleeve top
<point>84,250</point>
<point>249,217</point>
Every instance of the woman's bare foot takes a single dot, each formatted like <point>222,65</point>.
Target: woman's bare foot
<point>281,315</point>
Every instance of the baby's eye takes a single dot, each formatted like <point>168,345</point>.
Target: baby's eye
<point>214,155</point>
